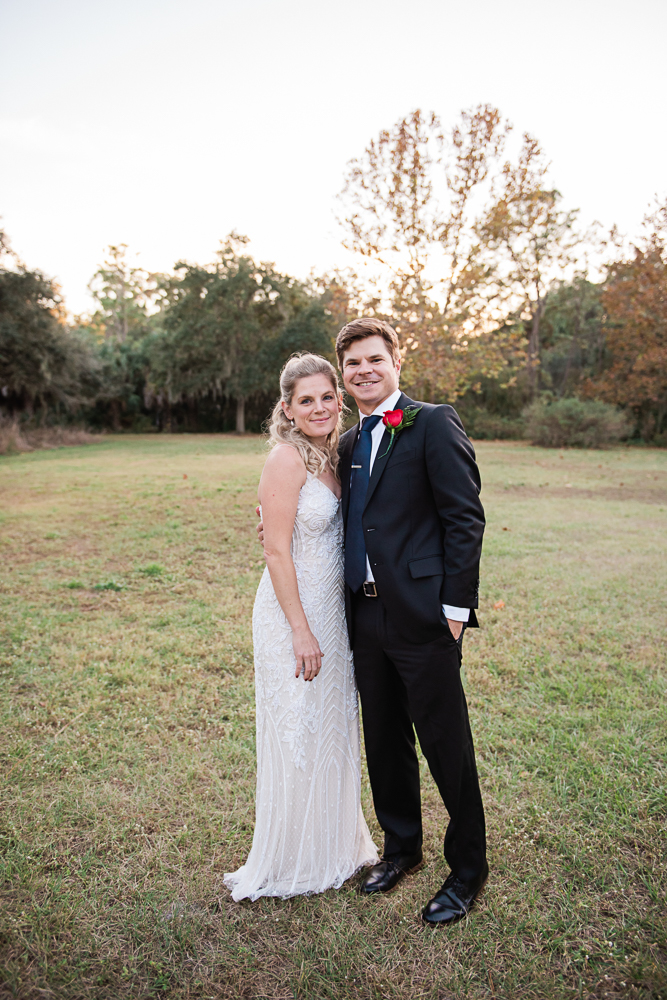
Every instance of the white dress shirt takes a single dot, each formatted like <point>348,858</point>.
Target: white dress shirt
<point>456,614</point>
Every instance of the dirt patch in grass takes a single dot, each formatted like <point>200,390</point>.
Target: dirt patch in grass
<point>642,494</point>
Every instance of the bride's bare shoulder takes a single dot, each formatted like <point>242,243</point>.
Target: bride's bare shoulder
<point>284,456</point>
<point>285,461</point>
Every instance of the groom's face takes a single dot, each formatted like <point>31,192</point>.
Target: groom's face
<point>370,374</point>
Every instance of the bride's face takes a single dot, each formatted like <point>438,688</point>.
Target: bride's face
<point>314,407</point>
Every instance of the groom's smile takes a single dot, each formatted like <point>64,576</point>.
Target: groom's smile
<point>370,374</point>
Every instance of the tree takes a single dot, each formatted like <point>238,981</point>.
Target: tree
<point>124,294</point>
<point>392,216</point>
<point>342,295</point>
<point>42,362</point>
<point>410,208</point>
<point>572,341</point>
<point>228,328</point>
<point>120,329</point>
<point>528,241</point>
<point>124,370</point>
<point>634,325</point>
<point>476,144</point>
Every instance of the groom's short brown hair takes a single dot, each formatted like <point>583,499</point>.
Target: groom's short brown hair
<point>367,326</point>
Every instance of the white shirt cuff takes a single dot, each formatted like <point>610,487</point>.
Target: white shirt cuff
<point>456,614</point>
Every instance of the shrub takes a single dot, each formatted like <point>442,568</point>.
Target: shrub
<point>575,423</point>
<point>11,439</point>
<point>485,426</point>
<point>18,436</point>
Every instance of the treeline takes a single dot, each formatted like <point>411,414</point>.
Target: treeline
<point>196,350</point>
<point>463,246</point>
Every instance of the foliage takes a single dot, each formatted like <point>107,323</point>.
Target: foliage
<point>398,216</point>
<point>343,296</point>
<point>410,203</point>
<point>120,396</point>
<point>483,425</point>
<point>127,733</point>
<point>182,350</point>
<point>442,368</point>
<point>228,328</point>
<point>125,295</point>
<point>572,341</point>
<point>469,248</point>
<point>470,257</point>
<point>121,330</point>
<point>527,241</point>
<point>635,330</point>
<point>42,363</point>
<point>575,423</point>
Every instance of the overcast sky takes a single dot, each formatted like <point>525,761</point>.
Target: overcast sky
<point>166,124</point>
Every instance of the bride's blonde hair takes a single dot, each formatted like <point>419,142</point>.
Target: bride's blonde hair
<point>283,431</point>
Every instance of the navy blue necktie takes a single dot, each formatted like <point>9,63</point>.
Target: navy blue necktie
<point>355,549</point>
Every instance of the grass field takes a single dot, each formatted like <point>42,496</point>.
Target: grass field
<point>127,739</point>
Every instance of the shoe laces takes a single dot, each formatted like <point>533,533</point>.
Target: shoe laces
<point>393,866</point>
<point>455,889</point>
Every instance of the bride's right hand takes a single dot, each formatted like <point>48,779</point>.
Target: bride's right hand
<point>307,653</point>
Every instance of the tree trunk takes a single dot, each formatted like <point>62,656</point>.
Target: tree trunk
<point>192,414</point>
<point>534,347</point>
<point>115,415</point>
<point>240,414</point>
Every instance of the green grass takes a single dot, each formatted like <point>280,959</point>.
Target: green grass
<point>128,570</point>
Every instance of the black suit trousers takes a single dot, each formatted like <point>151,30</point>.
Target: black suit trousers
<point>406,687</point>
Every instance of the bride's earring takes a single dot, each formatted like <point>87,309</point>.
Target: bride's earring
<point>292,421</point>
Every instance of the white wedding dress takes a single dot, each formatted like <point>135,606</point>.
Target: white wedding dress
<point>310,833</point>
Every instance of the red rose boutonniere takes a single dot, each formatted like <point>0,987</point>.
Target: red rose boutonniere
<point>397,420</point>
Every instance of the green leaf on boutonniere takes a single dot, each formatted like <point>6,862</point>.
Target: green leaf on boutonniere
<point>398,420</point>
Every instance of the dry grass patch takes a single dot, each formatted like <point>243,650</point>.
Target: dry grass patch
<point>15,439</point>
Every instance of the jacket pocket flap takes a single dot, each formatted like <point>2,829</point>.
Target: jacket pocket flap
<point>404,456</point>
<point>430,566</point>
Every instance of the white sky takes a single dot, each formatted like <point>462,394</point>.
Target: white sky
<point>164,124</point>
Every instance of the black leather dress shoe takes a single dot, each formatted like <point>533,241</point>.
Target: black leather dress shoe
<point>454,900</point>
<point>388,872</point>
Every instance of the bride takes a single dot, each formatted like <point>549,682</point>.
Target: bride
<point>310,833</point>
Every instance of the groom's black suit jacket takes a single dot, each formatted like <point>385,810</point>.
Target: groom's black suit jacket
<point>423,521</point>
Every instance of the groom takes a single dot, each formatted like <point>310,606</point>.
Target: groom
<point>413,538</point>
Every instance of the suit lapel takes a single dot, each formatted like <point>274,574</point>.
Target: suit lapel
<point>345,467</point>
<point>380,463</point>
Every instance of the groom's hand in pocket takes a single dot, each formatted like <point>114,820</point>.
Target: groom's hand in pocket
<point>455,628</point>
<point>307,653</point>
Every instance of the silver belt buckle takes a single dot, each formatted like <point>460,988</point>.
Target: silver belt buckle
<point>370,590</point>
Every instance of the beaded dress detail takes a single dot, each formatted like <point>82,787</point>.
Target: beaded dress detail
<point>310,833</point>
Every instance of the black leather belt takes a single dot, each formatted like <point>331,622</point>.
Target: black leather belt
<point>370,590</point>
